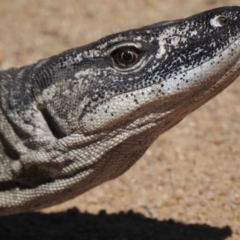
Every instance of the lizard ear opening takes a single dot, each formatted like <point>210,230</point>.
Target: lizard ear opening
<point>52,124</point>
<point>9,149</point>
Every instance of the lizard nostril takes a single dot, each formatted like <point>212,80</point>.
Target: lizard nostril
<point>219,21</point>
<point>222,20</point>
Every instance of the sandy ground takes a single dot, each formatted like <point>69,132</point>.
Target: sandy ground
<point>185,187</point>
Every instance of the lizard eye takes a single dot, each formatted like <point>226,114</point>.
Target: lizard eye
<point>125,57</point>
<point>219,21</point>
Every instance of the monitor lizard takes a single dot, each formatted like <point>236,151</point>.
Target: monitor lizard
<point>75,120</point>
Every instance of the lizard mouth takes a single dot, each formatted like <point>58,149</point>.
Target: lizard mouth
<point>200,95</point>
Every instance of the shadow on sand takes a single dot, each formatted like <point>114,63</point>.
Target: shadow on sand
<point>73,225</point>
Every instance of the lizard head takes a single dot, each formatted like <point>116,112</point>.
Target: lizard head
<point>145,74</point>
<point>156,71</point>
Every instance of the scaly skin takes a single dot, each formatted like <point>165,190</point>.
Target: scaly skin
<point>75,120</point>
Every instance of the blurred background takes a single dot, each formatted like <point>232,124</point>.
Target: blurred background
<point>190,174</point>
